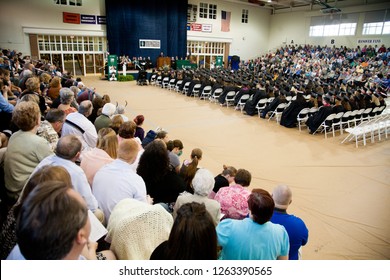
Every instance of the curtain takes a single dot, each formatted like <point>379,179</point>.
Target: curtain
<point>130,21</point>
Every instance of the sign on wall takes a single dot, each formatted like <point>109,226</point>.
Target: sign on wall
<point>75,18</point>
<point>369,41</point>
<point>149,44</point>
<point>88,19</point>
<point>71,18</point>
<point>207,27</point>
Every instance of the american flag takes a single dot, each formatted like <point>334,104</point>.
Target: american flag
<point>225,21</point>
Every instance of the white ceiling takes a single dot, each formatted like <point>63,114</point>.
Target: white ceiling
<point>309,4</point>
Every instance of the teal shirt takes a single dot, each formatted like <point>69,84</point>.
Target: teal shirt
<point>248,240</point>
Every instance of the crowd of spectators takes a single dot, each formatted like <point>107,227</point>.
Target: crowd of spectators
<point>179,210</point>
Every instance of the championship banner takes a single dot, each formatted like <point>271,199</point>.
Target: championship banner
<point>112,64</point>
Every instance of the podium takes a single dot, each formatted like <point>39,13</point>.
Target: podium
<point>163,61</point>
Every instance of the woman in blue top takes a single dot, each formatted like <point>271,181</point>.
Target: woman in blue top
<point>254,238</point>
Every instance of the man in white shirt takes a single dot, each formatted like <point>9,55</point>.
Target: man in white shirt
<point>78,124</point>
<point>67,153</point>
<point>117,180</point>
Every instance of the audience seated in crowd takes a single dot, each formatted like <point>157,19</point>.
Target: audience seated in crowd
<point>192,237</point>
<point>202,184</point>
<point>224,179</point>
<point>117,180</point>
<point>21,159</point>
<point>106,151</point>
<point>330,78</point>
<point>254,238</point>
<point>67,153</point>
<point>136,228</point>
<point>189,168</point>
<point>296,229</point>
<point>234,198</point>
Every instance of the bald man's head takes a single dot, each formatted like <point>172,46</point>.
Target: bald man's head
<point>282,196</point>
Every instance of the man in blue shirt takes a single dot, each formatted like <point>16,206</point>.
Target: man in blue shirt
<point>6,108</point>
<point>297,231</point>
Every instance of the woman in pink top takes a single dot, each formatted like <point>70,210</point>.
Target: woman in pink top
<point>234,199</point>
<point>105,152</point>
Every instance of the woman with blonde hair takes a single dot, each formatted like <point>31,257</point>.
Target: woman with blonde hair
<point>116,123</point>
<point>33,87</point>
<point>106,151</point>
<point>189,168</point>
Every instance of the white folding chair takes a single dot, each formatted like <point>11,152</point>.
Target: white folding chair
<point>302,117</point>
<point>278,112</point>
<point>186,87</point>
<point>214,97</point>
<point>165,82</point>
<point>171,84</point>
<point>326,125</point>
<point>153,79</point>
<point>336,122</point>
<point>178,84</point>
<point>206,92</point>
<point>261,105</point>
<point>195,90</point>
<point>229,99</point>
<point>241,103</point>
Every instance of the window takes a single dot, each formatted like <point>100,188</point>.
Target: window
<point>334,25</point>
<point>69,2</point>
<point>203,10</point>
<point>212,11</point>
<point>372,28</point>
<point>244,17</point>
<point>386,28</point>
<point>316,31</point>
<point>207,11</point>
<point>191,12</point>
<point>331,30</point>
<point>347,29</point>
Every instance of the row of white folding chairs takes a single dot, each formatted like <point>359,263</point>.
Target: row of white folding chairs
<point>348,119</point>
<point>370,128</point>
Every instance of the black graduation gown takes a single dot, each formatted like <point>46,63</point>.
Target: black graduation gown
<point>250,105</point>
<point>222,97</point>
<point>316,120</point>
<point>240,93</point>
<point>289,116</point>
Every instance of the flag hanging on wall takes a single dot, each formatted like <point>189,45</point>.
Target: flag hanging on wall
<point>225,21</point>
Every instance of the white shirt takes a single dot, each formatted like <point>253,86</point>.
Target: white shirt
<point>114,182</point>
<point>77,175</point>
<point>89,137</point>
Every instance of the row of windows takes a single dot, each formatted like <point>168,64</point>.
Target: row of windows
<point>69,2</point>
<point>52,43</point>
<point>333,30</point>
<point>196,47</point>
<point>376,28</point>
<point>345,29</point>
<point>209,11</point>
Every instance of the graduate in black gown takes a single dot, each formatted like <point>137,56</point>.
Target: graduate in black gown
<point>250,105</point>
<point>316,120</point>
<point>289,116</point>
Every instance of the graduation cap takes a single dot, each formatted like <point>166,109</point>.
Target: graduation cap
<point>338,97</point>
<point>327,98</point>
<point>346,98</point>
